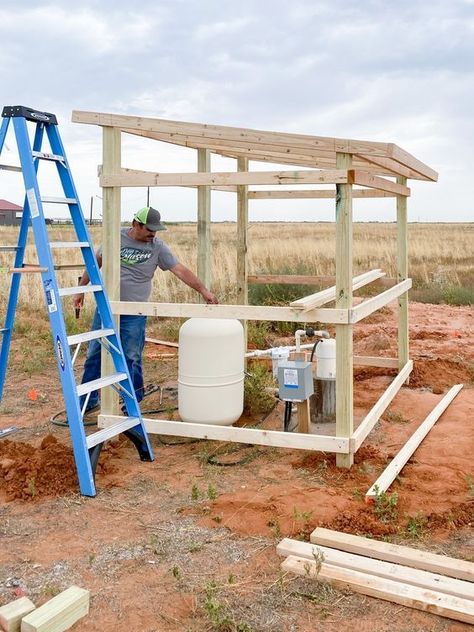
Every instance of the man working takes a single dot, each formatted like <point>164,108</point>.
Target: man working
<point>140,254</point>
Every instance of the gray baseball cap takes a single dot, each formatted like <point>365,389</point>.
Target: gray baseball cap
<point>150,217</point>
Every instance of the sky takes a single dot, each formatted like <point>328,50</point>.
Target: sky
<point>400,72</point>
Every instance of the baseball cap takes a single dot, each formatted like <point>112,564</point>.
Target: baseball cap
<point>150,217</point>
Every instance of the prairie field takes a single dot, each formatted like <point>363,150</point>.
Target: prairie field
<point>441,258</point>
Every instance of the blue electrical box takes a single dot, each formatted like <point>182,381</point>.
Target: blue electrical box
<point>295,381</point>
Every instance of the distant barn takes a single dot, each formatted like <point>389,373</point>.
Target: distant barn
<point>10,214</point>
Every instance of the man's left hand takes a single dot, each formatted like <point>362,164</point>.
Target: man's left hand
<point>210,298</point>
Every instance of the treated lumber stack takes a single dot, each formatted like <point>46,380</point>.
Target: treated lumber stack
<point>417,579</point>
<point>56,615</point>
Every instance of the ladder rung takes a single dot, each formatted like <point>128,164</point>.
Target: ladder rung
<point>56,200</point>
<point>8,248</point>
<point>89,335</point>
<point>10,167</point>
<point>4,329</point>
<point>79,289</point>
<point>112,431</point>
<point>27,270</point>
<point>43,156</point>
<point>94,385</point>
<point>69,244</point>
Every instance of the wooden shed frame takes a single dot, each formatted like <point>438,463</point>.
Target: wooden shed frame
<point>356,169</point>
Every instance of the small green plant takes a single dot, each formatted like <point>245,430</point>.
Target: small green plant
<point>195,493</point>
<point>211,492</point>
<point>195,547</point>
<point>357,494</point>
<point>32,486</point>
<point>385,505</point>
<point>396,417</point>
<point>257,399</point>
<point>470,485</point>
<point>217,519</point>
<point>416,524</point>
<point>50,590</point>
<point>176,572</point>
<point>275,527</point>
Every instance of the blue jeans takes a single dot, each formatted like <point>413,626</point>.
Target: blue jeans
<point>132,336</point>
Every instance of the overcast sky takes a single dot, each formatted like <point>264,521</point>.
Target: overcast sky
<point>399,72</point>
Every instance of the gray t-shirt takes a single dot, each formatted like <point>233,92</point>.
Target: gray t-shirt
<point>138,263</point>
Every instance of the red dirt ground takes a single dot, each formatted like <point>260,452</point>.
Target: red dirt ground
<point>185,544</point>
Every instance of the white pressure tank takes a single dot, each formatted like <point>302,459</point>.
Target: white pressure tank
<point>326,358</point>
<point>211,371</point>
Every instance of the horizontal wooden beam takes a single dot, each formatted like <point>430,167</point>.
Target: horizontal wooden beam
<point>325,296</point>
<point>366,179</point>
<point>415,558</point>
<point>384,363</point>
<point>395,466</point>
<point>399,592</point>
<point>136,178</point>
<point>388,167</point>
<point>379,408</point>
<point>303,279</point>
<point>388,570</point>
<point>253,436</point>
<point>216,132</point>
<point>403,157</point>
<point>241,312</point>
<point>371,305</point>
<point>316,194</point>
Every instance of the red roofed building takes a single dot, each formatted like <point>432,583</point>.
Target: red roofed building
<point>10,214</point>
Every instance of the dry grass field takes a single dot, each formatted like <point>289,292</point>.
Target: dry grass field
<point>440,258</point>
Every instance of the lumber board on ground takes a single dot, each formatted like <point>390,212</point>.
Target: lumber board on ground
<point>396,464</point>
<point>396,553</point>
<point>59,613</point>
<point>405,594</point>
<point>165,343</point>
<point>12,613</point>
<point>388,570</point>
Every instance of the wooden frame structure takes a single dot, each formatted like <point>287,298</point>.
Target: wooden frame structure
<point>355,169</point>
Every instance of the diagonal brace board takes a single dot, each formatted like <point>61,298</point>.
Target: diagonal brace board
<point>390,473</point>
<point>329,294</point>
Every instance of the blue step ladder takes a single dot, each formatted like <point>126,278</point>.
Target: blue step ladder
<point>86,448</point>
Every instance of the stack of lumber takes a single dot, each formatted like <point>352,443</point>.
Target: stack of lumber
<point>56,615</point>
<point>410,577</point>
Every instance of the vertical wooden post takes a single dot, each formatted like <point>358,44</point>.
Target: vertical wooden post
<point>402,274</point>
<point>242,243</point>
<point>204,222</point>
<point>344,341</point>
<point>111,197</point>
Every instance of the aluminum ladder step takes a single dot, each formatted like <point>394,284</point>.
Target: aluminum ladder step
<point>10,167</point>
<point>112,431</point>
<point>44,156</point>
<point>79,289</point>
<point>58,200</point>
<point>4,329</point>
<point>69,244</point>
<point>8,248</point>
<point>89,335</point>
<point>101,382</point>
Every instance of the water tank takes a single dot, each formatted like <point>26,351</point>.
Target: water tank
<point>326,358</point>
<point>211,371</point>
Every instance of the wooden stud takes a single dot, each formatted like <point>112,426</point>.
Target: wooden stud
<point>386,363</point>
<point>137,178</point>
<point>402,275</point>
<point>111,197</point>
<point>204,222</point>
<point>12,613</point>
<point>344,340</point>
<point>388,570</point>
<point>303,279</point>
<point>397,592</point>
<point>395,466</point>
<point>321,193</point>
<point>396,553</point>
<point>254,436</point>
<point>325,296</point>
<point>380,406</point>
<point>364,178</point>
<point>248,312</point>
<point>59,613</point>
<point>371,305</point>
<point>242,243</point>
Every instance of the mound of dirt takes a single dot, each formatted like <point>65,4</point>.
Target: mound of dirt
<point>439,374</point>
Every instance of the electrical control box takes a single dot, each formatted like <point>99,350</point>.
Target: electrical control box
<point>295,381</point>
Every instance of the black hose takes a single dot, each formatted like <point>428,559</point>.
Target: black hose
<point>314,349</point>
<point>287,417</point>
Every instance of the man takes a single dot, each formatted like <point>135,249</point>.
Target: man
<point>141,253</point>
